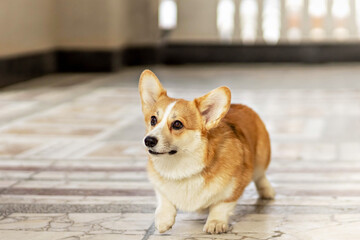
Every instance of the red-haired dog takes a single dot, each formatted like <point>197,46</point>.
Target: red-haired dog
<point>202,153</point>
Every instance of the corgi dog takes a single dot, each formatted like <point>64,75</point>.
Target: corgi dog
<point>202,153</point>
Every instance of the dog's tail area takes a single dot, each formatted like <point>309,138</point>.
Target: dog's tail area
<point>262,161</point>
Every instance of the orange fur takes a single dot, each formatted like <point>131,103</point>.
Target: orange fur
<point>232,148</point>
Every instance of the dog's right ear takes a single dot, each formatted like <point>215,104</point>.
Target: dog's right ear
<point>150,89</point>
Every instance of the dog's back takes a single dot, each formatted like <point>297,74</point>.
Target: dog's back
<point>247,123</point>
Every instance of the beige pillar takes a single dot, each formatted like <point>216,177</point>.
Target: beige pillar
<point>26,27</point>
<point>196,21</point>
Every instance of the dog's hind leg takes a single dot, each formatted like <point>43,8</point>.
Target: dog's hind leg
<point>262,160</point>
<point>263,186</point>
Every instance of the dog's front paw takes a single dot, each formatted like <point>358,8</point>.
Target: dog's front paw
<point>164,222</point>
<point>215,227</point>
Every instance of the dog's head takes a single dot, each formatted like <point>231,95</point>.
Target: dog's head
<point>177,129</point>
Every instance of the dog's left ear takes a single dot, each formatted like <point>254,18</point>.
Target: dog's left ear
<point>150,89</point>
<point>213,106</point>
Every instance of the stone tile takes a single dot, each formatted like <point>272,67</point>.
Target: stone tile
<point>197,237</point>
<point>264,226</point>
<point>314,177</point>
<point>13,109</point>
<point>350,151</point>
<point>131,132</point>
<point>301,151</point>
<point>22,164</point>
<point>335,231</point>
<point>80,200</point>
<point>97,108</point>
<point>26,222</point>
<point>71,143</point>
<point>91,223</point>
<point>49,130</point>
<point>286,151</point>
<point>11,175</point>
<point>297,129</point>
<point>321,152</point>
<point>82,218</point>
<point>129,222</point>
<point>36,235</point>
<point>15,148</point>
<point>83,185</point>
<point>73,175</point>
<point>73,119</point>
<point>112,237</point>
<point>119,149</point>
<point>56,149</point>
<point>6,183</point>
<point>130,163</point>
<point>342,128</point>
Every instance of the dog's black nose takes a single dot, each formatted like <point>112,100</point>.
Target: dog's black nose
<point>150,141</point>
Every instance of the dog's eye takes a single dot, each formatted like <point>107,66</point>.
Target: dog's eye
<point>153,121</point>
<point>177,125</point>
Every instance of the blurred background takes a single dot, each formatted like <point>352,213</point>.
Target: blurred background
<point>44,36</point>
<point>72,162</point>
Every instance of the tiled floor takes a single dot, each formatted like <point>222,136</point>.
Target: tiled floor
<point>72,165</point>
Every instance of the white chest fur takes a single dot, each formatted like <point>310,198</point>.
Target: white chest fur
<point>192,194</point>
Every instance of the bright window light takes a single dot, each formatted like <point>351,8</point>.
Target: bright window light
<point>340,8</point>
<point>294,5</point>
<point>357,12</point>
<point>248,20</point>
<point>317,11</point>
<point>340,11</point>
<point>167,14</point>
<point>317,8</point>
<point>294,12</point>
<point>225,19</point>
<point>271,21</point>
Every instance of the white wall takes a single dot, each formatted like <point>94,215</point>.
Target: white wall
<point>30,26</point>
<point>26,26</point>
<point>94,24</point>
<point>142,20</point>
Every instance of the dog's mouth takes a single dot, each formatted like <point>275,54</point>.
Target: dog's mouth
<point>172,152</point>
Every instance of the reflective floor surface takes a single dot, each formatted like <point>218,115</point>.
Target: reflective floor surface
<point>72,165</point>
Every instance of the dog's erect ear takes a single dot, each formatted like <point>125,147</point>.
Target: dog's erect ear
<point>150,89</point>
<point>214,105</point>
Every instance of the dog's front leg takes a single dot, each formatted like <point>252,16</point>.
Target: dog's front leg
<point>218,219</point>
<point>165,213</point>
